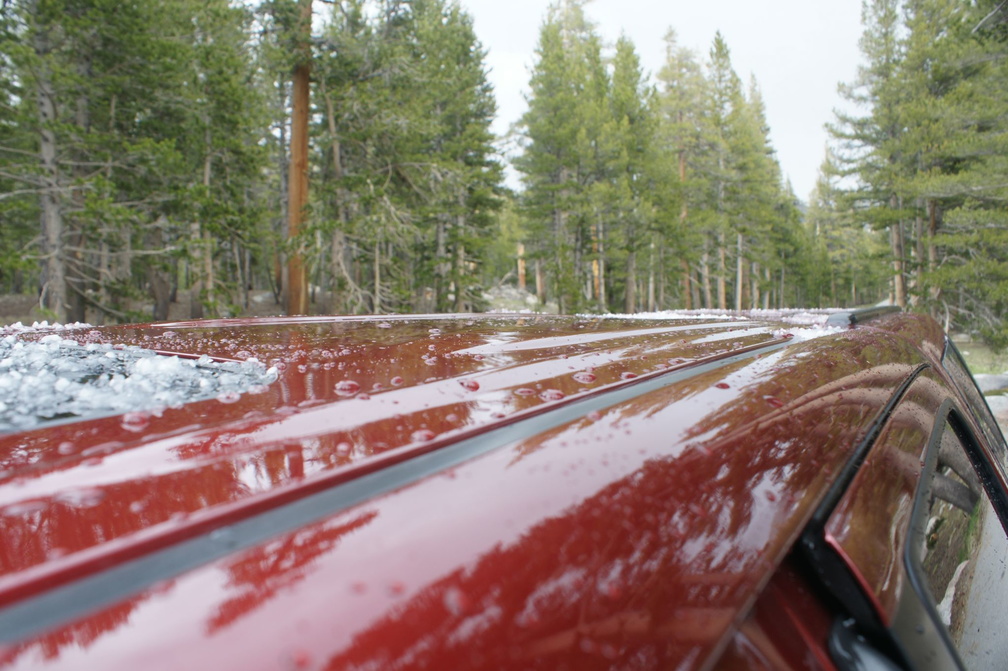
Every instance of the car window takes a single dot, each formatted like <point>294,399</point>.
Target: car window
<point>956,367</point>
<point>962,555</point>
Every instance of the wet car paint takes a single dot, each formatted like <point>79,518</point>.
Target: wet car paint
<point>97,481</point>
<point>636,535</point>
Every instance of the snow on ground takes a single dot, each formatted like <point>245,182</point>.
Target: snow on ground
<point>808,325</point>
<point>57,378</point>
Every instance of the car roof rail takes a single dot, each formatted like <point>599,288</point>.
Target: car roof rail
<point>860,315</point>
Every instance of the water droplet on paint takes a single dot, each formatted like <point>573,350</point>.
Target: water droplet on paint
<point>135,421</point>
<point>347,388</point>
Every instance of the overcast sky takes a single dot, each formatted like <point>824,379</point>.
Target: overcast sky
<point>798,51</point>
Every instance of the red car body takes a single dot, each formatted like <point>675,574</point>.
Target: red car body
<point>491,492</point>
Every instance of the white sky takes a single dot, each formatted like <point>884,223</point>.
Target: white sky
<point>798,51</point>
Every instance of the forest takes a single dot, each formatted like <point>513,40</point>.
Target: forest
<point>340,156</point>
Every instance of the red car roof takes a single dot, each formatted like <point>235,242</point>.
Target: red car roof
<point>480,492</point>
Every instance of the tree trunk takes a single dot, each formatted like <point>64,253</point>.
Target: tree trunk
<point>297,295</point>
<point>520,254</point>
<point>739,279</point>
<point>198,289</point>
<point>208,271</point>
<point>920,263</point>
<point>705,279</point>
<point>780,297</point>
<point>540,284</point>
<point>661,278</point>
<point>377,278</point>
<point>54,288</point>
<point>899,279</point>
<point>440,266</point>
<point>766,294</point>
<point>458,261</point>
<point>77,283</point>
<point>596,266</point>
<point>651,279</point>
<point>687,277</point>
<point>337,261</point>
<point>603,298</point>
<point>630,295</point>
<point>722,295</point>
<point>932,250</point>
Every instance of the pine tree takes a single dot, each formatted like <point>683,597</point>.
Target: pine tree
<point>410,169</point>
<point>628,137</point>
<point>867,144</point>
<point>460,178</point>
<point>680,135</point>
<point>724,110</point>
<point>560,162</point>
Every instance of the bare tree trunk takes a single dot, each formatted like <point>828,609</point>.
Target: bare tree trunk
<point>651,279</point>
<point>899,279</point>
<point>540,284</point>
<point>722,295</point>
<point>920,262</point>
<point>687,278</point>
<point>76,279</point>
<point>630,295</point>
<point>603,298</point>
<point>705,278</point>
<point>279,285</point>
<point>337,261</point>
<point>236,252</point>
<point>297,298</point>
<point>198,288</point>
<point>766,294</point>
<point>780,297</point>
<point>440,267</point>
<point>54,286</point>
<point>459,271</point>
<point>695,286</point>
<point>596,265</point>
<point>377,278</point>
<point>739,262</point>
<point>520,254</point>
<point>690,292</point>
<point>208,271</point>
<point>661,278</point>
<point>157,277</point>
<point>932,251</point>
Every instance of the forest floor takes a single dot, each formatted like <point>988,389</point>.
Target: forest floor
<point>16,308</point>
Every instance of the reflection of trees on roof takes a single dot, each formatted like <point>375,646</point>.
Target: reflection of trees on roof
<point>81,635</point>
<point>267,569</point>
<point>71,521</point>
<point>652,567</point>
